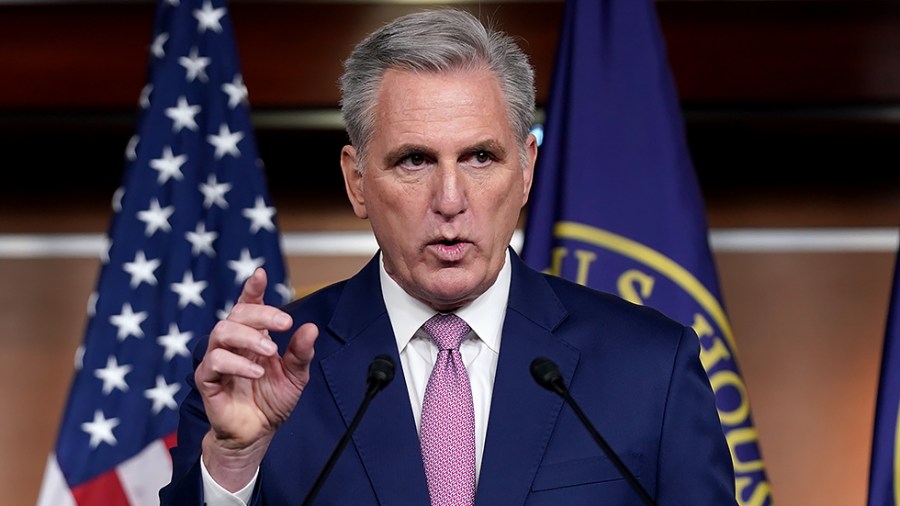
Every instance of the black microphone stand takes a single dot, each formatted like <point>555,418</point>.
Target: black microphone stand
<point>381,372</point>
<point>547,374</point>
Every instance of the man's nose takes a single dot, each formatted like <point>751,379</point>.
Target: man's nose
<point>449,190</point>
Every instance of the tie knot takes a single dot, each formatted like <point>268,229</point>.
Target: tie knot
<point>446,330</point>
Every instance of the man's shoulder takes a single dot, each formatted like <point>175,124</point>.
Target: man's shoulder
<point>322,302</point>
<point>588,306</point>
<point>324,299</point>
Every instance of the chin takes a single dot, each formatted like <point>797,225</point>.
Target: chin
<point>451,292</point>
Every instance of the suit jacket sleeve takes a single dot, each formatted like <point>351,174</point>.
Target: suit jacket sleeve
<point>693,468</point>
<point>186,486</point>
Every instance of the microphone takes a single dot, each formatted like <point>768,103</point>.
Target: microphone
<point>546,374</point>
<point>381,372</point>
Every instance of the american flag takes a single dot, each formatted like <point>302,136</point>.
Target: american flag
<point>190,223</point>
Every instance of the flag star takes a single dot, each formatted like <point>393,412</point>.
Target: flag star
<point>208,18</point>
<point>201,240</point>
<point>236,91</point>
<point>182,115</point>
<point>79,357</point>
<point>189,290</point>
<point>113,375</point>
<point>286,292</point>
<point>104,253</point>
<point>226,142</point>
<point>101,429</point>
<point>117,198</point>
<point>162,395</point>
<point>195,65</point>
<point>214,192</point>
<point>158,47</point>
<point>92,303</point>
<point>144,99</point>
<point>156,217</point>
<point>128,322</point>
<point>141,269</point>
<point>169,165</point>
<point>260,216</point>
<point>244,267</point>
<point>131,148</point>
<point>175,342</point>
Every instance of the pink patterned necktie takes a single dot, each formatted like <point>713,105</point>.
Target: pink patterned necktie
<point>448,418</point>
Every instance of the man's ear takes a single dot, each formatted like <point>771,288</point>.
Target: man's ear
<point>531,151</point>
<point>353,181</point>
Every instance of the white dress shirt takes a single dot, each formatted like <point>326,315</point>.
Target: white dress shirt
<point>418,352</point>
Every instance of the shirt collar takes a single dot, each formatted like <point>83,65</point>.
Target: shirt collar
<point>484,315</point>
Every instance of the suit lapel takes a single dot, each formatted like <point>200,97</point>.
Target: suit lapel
<point>386,439</point>
<point>523,414</point>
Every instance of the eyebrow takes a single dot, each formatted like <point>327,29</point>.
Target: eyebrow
<point>395,155</point>
<point>491,145</point>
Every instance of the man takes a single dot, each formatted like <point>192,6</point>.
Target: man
<point>438,110</point>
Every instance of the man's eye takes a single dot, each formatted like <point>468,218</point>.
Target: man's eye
<point>413,161</point>
<point>480,159</point>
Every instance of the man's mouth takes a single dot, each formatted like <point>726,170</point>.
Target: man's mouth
<point>449,250</point>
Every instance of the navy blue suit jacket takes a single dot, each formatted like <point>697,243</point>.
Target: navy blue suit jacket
<point>635,373</point>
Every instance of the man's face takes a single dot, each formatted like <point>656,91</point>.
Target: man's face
<point>443,183</point>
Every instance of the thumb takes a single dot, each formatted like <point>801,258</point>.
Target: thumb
<point>300,353</point>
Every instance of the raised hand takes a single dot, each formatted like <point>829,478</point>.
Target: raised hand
<point>248,389</point>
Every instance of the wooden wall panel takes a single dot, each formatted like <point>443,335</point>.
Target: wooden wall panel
<point>809,329</point>
<point>808,326</point>
<point>785,52</point>
<point>93,55</point>
<point>89,55</point>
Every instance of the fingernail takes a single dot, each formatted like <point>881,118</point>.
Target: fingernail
<point>257,369</point>
<point>266,346</point>
<point>282,320</point>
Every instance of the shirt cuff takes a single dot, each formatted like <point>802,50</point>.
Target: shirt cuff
<point>215,495</point>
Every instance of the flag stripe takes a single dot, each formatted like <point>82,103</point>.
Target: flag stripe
<point>104,489</point>
<point>170,441</point>
<point>54,490</point>
<point>143,475</point>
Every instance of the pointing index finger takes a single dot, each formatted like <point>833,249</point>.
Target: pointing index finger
<point>254,287</point>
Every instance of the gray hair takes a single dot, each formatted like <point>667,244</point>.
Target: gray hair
<point>434,41</point>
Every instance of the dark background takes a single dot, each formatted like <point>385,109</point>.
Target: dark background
<point>795,99</point>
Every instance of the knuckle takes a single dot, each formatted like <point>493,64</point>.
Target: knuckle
<point>215,357</point>
<point>237,310</point>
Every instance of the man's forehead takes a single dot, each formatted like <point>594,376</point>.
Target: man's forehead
<point>427,99</point>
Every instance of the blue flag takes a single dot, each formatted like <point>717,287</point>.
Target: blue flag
<point>884,471</point>
<point>616,204</point>
<point>191,222</point>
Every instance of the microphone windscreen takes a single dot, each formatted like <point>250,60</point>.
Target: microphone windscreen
<point>381,370</point>
<point>545,372</point>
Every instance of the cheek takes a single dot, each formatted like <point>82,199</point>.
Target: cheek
<point>506,199</point>
<point>394,214</point>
